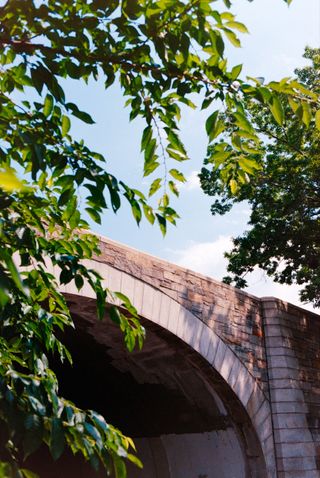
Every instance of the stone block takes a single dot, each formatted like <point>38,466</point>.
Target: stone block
<point>273,331</point>
<point>218,359</point>
<point>283,362</point>
<point>295,464</point>
<point>299,474</point>
<point>289,407</point>
<point>295,450</point>
<point>205,341</point>
<point>138,295</point>
<point>234,374</point>
<point>244,386</point>
<point>213,347</point>
<point>174,312</point>
<point>164,310</point>
<point>283,372</point>
<point>286,395</point>
<point>228,361</point>
<point>290,420</point>
<point>127,285</point>
<point>285,383</point>
<point>195,340</point>
<point>262,414</point>
<point>256,400</point>
<point>268,444</point>
<point>156,306</point>
<point>147,301</point>
<point>264,430</point>
<point>190,322</point>
<point>292,435</point>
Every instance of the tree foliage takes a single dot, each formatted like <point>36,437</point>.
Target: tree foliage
<point>284,193</point>
<point>161,52</point>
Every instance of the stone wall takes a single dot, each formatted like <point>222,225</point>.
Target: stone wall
<point>277,342</point>
<point>293,353</point>
<point>232,314</point>
<point>267,351</point>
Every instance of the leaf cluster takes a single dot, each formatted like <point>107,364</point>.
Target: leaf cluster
<point>284,193</point>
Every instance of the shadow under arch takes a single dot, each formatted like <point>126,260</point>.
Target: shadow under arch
<point>204,352</point>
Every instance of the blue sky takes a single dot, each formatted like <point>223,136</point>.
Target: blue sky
<point>273,49</point>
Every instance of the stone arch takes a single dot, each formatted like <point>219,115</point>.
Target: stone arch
<point>157,307</point>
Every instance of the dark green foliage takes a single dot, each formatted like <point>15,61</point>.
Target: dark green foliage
<point>284,194</point>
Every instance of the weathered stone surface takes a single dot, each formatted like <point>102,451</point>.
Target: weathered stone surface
<point>265,350</point>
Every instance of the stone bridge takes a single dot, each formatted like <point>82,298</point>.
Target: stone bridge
<point>227,385</point>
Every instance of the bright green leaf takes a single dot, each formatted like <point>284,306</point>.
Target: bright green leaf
<point>155,186</point>
<point>276,109</point>
<point>65,125</point>
<point>9,181</point>
<point>177,175</point>
<point>237,26</point>
<point>307,114</point>
<point>317,119</point>
<point>48,106</point>
<point>233,186</point>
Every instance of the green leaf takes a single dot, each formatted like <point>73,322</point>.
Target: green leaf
<point>243,123</point>
<point>233,186</point>
<point>65,125</point>
<point>148,212</point>
<point>119,468</point>
<point>232,37</point>
<point>235,72</point>
<point>219,157</point>
<point>248,165</point>
<point>136,210</point>
<point>99,420</point>
<point>177,175</point>
<point>94,214</point>
<point>134,460</point>
<point>211,122</point>
<point>176,154</point>
<point>317,119</point>
<point>293,104</point>
<point>276,109</point>
<point>155,186</point>
<point>305,91</point>
<point>32,442</point>
<point>82,115</point>
<point>150,167</point>
<point>9,181</point>
<point>162,224</point>
<point>65,197</point>
<point>173,188</point>
<point>114,315</point>
<point>237,26</point>
<point>28,474</point>
<point>146,137</point>
<point>57,440</point>
<point>4,255</point>
<point>48,106</point>
<point>307,114</point>
<point>214,126</point>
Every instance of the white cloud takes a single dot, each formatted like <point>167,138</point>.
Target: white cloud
<point>208,258</point>
<point>205,257</point>
<point>192,183</point>
<point>245,212</point>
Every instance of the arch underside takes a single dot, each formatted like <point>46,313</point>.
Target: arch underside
<point>186,420</point>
